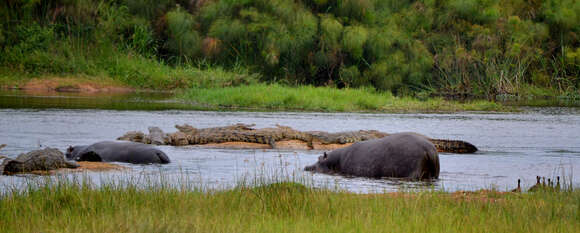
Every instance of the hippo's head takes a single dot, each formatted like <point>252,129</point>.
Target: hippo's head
<point>163,158</point>
<point>72,152</point>
<point>323,165</point>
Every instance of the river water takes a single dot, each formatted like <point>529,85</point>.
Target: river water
<point>537,141</point>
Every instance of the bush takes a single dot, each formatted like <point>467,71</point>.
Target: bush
<point>354,39</point>
<point>351,77</point>
<point>381,41</point>
<point>183,40</point>
<point>330,32</point>
<point>360,10</point>
<point>384,76</point>
<point>141,38</point>
<point>563,14</point>
<point>149,9</point>
<point>478,11</point>
<point>26,40</point>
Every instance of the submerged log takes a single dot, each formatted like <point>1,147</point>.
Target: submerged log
<point>281,137</point>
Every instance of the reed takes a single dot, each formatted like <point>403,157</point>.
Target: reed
<point>282,206</point>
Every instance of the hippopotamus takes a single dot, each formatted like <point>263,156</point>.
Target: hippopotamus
<point>110,151</point>
<point>400,155</point>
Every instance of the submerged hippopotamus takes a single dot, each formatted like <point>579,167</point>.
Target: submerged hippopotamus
<point>401,155</point>
<point>127,152</point>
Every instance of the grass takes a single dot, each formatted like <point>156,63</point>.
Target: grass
<point>308,98</point>
<point>280,207</point>
<point>129,70</point>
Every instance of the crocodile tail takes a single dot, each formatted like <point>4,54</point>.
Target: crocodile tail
<point>453,146</point>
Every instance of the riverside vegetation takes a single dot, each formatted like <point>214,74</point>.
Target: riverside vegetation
<point>79,206</point>
<point>480,48</point>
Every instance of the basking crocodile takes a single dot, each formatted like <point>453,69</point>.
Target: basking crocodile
<point>271,137</point>
<point>453,146</point>
<point>36,160</point>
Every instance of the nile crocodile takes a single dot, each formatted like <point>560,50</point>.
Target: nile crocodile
<point>189,135</point>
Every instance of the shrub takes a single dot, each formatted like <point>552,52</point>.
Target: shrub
<point>27,39</point>
<point>564,14</point>
<point>330,32</point>
<point>351,77</point>
<point>353,40</point>
<point>381,41</point>
<point>478,11</point>
<point>141,38</point>
<point>360,10</point>
<point>384,76</point>
<point>149,9</point>
<point>183,41</point>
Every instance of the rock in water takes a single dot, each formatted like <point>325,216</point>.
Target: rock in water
<point>36,160</point>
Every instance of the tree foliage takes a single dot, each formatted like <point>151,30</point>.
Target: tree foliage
<point>478,46</point>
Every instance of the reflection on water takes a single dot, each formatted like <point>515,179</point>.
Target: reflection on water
<point>537,141</point>
<point>67,100</point>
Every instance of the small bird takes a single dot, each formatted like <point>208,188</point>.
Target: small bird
<point>536,186</point>
<point>518,189</point>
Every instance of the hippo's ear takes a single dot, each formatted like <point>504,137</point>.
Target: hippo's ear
<point>69,149</point>
<point>325,155</point>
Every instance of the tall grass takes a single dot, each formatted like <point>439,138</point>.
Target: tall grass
<point>279,207</point>
<point>308,98</point>
<point>131,70</point>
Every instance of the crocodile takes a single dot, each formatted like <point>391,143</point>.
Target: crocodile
<point>189,135</point>
<point>36,160</point>
<point>346,137</point>
<point>245,134</point>
<point>453,146</point>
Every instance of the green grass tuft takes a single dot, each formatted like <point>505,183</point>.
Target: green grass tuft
<point>308,98</point>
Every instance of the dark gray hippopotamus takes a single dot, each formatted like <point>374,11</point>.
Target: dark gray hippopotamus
<point>109,151</point>
<point>401,155</point>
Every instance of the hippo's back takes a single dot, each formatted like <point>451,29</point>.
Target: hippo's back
<point>405,155</point>
<point>129,152</point>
